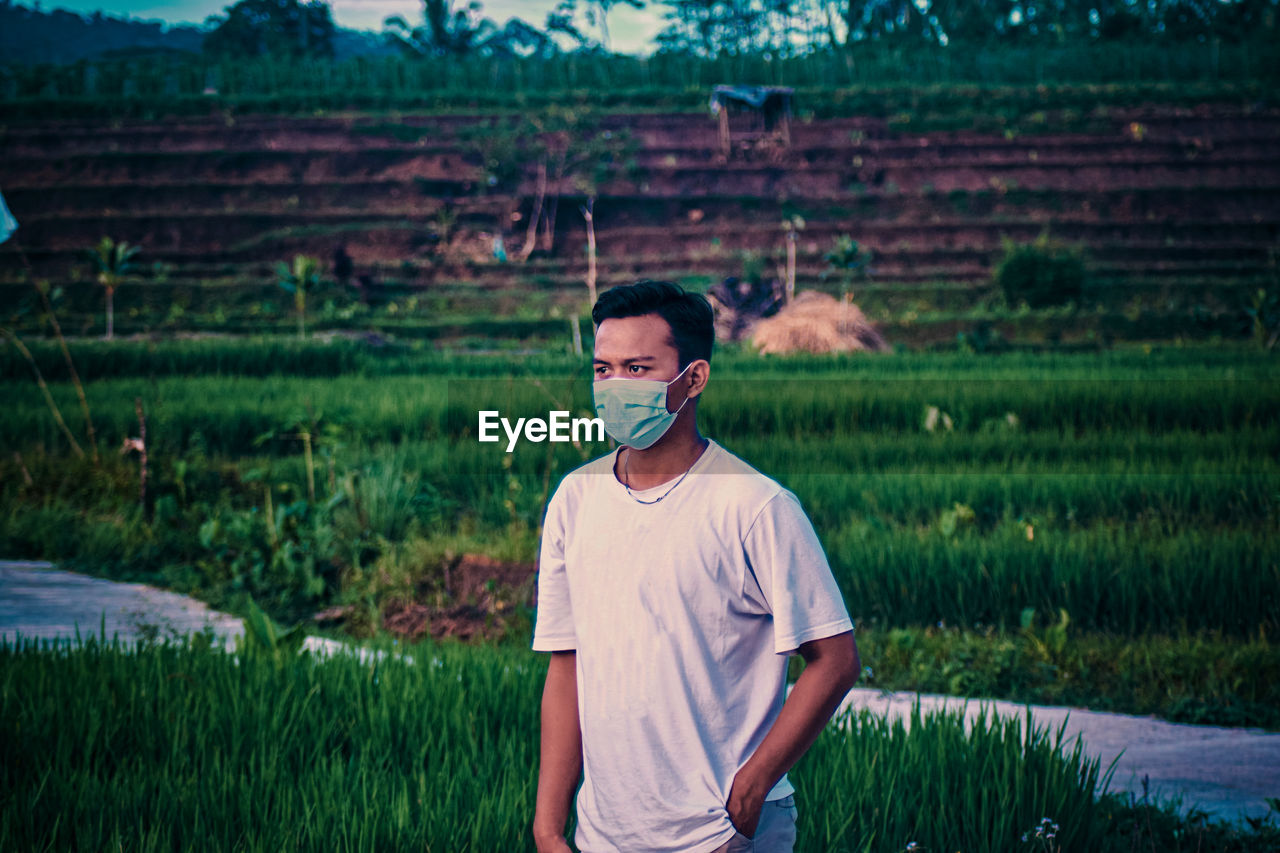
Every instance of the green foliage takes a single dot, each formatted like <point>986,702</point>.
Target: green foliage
<point>113,261</point>
<point>1040,273</point>
<point>960,516</point>
<point>438,750</point>
<point>570,142</point>
<point>982,337</point>
<point>1120,478</point>
<point>439,754</point>
<point>847,258</point>
<point>1134,489</point>
<point>1263,309</point>
<point>941,89</point>
<point>386,500</point>
<point>303,274</point>
<point>300,278</point>
<point>496,143</point>
<point>274,28</point>
<point>1202,679</point>
<point>263,637</point>
<point>283,556</point>
<point>833,773</point>
<point>446,30</point>
<point>1052,641</point>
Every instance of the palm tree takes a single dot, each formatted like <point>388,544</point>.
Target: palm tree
<point>114,261</point>
<point>302,276</point>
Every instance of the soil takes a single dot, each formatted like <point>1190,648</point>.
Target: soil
<point>483,594</point>
<point>1168,187</point>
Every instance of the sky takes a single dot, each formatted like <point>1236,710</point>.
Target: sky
<point>630,30</point>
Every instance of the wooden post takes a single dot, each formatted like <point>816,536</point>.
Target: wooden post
<point>531,230</point>
<point>305,435</point>
<point>591,250</point>
<point>142,450</point>
<point>725,144</point>
<point>791,264</point>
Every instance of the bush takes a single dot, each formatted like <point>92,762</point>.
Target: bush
<point>1041,273</point>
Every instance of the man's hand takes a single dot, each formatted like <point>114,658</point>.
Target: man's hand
<point>745,805</point>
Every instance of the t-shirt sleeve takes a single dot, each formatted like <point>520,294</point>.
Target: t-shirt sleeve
<point>553,624</point>
<point>793,575</point>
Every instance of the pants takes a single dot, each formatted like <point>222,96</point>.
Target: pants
<point>775,833</point>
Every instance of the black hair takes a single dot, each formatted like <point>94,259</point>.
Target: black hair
<point>689,315</point>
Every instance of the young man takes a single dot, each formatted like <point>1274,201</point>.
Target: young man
<point>674,582</point>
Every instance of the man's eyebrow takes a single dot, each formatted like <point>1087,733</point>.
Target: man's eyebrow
<point>628,360</point>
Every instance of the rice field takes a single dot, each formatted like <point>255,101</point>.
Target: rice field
<point>185,747</point>
<point>1098,528</point>
<point>1138,498</point>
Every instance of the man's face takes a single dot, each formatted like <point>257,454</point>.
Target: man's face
<point>638,348</point>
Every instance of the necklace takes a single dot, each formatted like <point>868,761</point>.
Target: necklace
<point>626,474</point>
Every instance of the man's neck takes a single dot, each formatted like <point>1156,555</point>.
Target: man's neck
<point>669,458</point>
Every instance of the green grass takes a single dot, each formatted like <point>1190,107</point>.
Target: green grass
<point>1203,679</point>
<point>1151,502</point>
<point>1005,87</point>
<point>176,746</point>
<point>264,355</point>
<point>1136,490</point>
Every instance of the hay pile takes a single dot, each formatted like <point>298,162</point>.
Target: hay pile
<point>816,322</point>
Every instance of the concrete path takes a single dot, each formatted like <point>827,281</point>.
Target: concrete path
<point>1226,772</point>
<point>41,602</point>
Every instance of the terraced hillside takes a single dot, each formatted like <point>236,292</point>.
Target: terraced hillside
<point>1178,210</point>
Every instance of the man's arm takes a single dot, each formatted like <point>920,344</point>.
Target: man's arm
<point>831,668</point>
<point>561,753</point>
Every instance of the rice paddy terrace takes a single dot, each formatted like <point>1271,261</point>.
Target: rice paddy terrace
<point>1177,208</point>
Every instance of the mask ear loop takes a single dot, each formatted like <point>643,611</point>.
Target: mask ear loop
<point>686,394</point>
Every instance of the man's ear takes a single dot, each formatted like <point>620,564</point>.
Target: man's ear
<point>698,376</point>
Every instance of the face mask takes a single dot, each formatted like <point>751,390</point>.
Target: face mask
<point>634,411</point>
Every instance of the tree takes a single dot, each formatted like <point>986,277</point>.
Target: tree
<point>519,39</point>
<point>299,278</point>
<point>898,20</point>
<point>597,14</point>
<point>713,27</point>
<point>446,30</point>
<point>286,28</point>
<point>113,261</point>
<point>847,261</point>
<point>574,154</point>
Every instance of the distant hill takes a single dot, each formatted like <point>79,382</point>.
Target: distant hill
<point>31,37</point>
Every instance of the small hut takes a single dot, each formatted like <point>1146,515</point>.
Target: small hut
<point>752,114</point>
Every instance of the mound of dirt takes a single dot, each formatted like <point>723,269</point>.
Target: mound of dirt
<point>482,595</point>
<point>816,322</point>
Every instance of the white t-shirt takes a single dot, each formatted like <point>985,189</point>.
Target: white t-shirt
<point>682,614</point>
